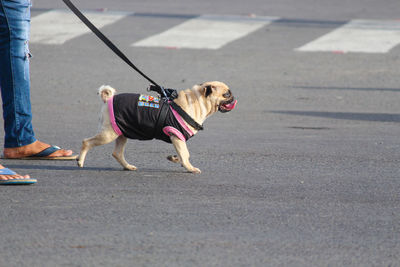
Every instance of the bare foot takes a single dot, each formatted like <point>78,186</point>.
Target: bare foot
<point>7,177</point>
<point>32,149</point>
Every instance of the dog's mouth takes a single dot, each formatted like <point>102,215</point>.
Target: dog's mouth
<point>227,105</point>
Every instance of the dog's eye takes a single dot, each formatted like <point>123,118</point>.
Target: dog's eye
<point>227,95</point>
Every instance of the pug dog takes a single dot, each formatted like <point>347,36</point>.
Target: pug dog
<point>137,116</point>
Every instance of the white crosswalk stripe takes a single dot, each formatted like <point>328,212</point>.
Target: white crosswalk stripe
<point>366,36</point>
<point>58,26</point>
<point>206,32</point>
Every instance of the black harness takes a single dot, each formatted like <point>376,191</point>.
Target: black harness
<point>167,95</point>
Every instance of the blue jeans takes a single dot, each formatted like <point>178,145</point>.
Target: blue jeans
<point>14,72</point>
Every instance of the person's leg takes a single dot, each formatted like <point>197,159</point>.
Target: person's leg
<point>14,72</point>
<point>6,81</point>
<point>15,82</point>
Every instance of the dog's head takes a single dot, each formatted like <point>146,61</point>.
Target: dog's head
<point>219,94</point>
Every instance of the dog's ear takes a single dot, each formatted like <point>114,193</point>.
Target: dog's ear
<point>208,90</point>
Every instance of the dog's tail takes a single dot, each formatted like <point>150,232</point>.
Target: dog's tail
<point>106,92</point>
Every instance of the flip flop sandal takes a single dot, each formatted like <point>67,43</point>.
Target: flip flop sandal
<point>22,181</point>
<point>45,155</point>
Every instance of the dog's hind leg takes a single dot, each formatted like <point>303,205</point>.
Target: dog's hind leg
<point>102,138</point>
<point>118,153</point>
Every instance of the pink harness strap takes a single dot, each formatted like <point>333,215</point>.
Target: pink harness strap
<point>112,118</point>
<point>181,122</point>
<point>169,130</point>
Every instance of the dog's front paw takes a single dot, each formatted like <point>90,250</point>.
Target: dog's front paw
<point>130,168</point>
<point>195,170</point>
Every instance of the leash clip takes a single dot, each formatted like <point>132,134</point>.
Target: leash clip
<point>167,93</point>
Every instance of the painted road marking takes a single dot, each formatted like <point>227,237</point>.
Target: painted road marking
<point>363,36</point>
<point>206,32</point>
<point>58,26</point>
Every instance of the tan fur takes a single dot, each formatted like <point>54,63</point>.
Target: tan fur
<point>193,101</point>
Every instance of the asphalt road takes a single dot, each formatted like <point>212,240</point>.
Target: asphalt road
<point>304,172</point>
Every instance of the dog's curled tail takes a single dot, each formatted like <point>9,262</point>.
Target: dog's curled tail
<point>106,92</point>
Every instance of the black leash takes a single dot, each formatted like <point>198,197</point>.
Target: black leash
<point>108,42</point>
<point>167,93</point>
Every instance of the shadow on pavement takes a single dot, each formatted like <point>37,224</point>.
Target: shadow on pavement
<point>348,88</point>
<point>377,117</point>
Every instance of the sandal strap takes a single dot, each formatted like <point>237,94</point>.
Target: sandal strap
<point>47,152</point>
<point>7,171</point>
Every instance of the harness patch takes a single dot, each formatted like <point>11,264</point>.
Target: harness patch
<point>149,101</point>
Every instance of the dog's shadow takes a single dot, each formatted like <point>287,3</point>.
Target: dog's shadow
<point>97,169</point>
